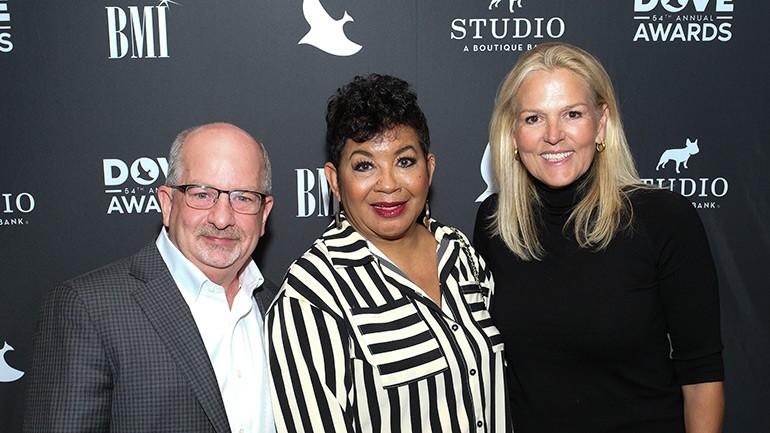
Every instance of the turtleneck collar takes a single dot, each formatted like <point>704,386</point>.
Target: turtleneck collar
<point>562,200</point>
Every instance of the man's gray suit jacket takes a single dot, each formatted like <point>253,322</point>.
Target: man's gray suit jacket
<point>118,350</point>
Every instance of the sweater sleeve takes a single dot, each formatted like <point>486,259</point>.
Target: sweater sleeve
<point>688,288</point>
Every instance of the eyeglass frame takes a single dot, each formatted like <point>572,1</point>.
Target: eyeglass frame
<point>183,188</point>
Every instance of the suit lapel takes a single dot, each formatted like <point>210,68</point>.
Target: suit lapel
<point>168,313</point>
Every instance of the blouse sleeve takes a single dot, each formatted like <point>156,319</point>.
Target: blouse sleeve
<point>687,282</point>
<point>308,355</point>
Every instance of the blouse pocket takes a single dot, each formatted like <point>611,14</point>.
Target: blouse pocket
<point>477,297</point>
<point>399,342</point>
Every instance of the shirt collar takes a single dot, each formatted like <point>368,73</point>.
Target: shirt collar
<point>189,279</point>
<point>347,247</point>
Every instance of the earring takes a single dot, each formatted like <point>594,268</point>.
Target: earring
<point>336,208</point>
<point>426,217</point>
<point>516,154</point>
<point>600,147</point>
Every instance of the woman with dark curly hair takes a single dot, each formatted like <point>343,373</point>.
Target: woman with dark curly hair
<point>383,325</point>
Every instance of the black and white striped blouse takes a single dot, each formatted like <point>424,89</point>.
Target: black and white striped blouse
<point>355,346</point>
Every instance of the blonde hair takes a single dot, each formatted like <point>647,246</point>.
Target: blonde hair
<point>599,214</point>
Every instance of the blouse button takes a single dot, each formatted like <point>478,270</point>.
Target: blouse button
<point>455,327</point>
<point>472,372</point>
<point>479,424</point>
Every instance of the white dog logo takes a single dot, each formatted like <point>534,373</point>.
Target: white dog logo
<point>680,156</point>
<point>496,3</point>
<point>326,33</point>
<point>8,373</point>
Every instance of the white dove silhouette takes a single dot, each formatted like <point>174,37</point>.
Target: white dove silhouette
<point>8,373</point>
<point>487,174</point>
<point>326,33</point>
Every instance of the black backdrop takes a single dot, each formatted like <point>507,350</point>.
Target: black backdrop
<point>88,88</point>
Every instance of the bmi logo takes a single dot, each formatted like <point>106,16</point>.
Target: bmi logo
<point>8,373</point>
<point>6,45</point>
<point>142,30</point>
<point>498,30</point>
<point>326,33</point>
<point>130,185</point>
<point>683,20</point>
<point>314,196</point>
<point>702,191</point>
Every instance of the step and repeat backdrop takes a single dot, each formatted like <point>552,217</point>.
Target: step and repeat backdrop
<point>92,93</point>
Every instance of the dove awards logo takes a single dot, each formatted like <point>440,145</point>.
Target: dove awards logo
<point>504,27</point>
<point>143,29</point>
<point>326,33</point>
<point>696,21</point>
<point>8,373</point>
<point>6,45</point>
<point>15,208</point>
<point>703,192</point>
<point>132,187</point>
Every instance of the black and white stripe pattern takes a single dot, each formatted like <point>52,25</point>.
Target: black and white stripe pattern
<point>355,346</point>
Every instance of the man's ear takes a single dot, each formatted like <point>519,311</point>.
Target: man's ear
<point>165,193</point>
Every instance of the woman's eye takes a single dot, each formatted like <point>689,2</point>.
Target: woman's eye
<point>530,119</point>
<point>406,162</point>
<point>574,114</point>
<point>362,166</point>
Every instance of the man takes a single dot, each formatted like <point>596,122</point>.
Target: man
<point>169,339</point>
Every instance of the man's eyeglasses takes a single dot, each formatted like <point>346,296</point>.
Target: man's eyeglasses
<point>205,197</point>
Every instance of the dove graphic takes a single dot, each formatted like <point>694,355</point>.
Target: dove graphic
<point>8,373</point>
<point>326,33</point>
<point>487,175</point>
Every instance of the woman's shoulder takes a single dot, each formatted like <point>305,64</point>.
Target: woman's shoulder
<point>489,205</point>
<point>662,211</point>
<point>661,202</point>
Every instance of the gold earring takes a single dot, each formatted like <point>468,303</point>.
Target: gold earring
<point>516,154</point>
<point>600,147</point>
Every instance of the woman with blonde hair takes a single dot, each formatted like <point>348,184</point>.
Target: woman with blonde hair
<point>607,294</point>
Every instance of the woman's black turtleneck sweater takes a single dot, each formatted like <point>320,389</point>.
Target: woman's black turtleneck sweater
<point>603,341</point>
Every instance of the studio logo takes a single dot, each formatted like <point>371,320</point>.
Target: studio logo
<point>326,33</point>
<point>683,20</point>
<point>314,197</point>
<point>8,373</point>
<point>15,207</point>
<point>142,30</point>
<point>6,45</point>
<point>496,29</point>
<point>703,191</point>
<point>133,186</point>
<point>487,174</point>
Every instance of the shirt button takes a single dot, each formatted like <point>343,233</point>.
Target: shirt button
<point>479,424</point>
<point>239,374</point>
<point>455,327</point>
<point>240,431</point>
<point>472,372</point>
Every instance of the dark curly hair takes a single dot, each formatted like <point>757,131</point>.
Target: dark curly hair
<point>369,106</point>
